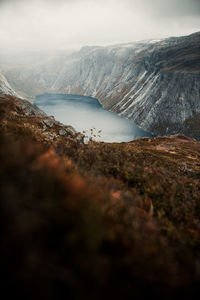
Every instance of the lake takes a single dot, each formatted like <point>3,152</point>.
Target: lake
<point>87,114</point>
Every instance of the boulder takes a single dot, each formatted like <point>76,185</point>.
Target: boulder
<point>49,123</point>
<point>62,132</point>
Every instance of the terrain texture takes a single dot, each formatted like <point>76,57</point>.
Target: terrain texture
<point>112,221</point>
<point>5,87</point>
<point>154,83</point>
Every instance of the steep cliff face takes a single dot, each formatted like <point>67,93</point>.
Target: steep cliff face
<point>101,72</point>
<point>33,73</point>
<point>25,106</point>
<point>167,100</point>
<point>154,83</point>
<point>5,87</point>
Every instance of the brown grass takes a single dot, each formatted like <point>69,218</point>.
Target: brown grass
<point>99,220</point>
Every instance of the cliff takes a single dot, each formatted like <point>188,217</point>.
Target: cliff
<point>153,83</point>
<point>5,87</point>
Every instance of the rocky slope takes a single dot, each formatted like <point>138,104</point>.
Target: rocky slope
<point>46,127</point>
<point>5,87</point>
<point>153,83</point>
<point>33,73</point>
<point>96,221</point>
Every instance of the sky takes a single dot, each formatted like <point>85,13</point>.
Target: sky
<point>42,25</point>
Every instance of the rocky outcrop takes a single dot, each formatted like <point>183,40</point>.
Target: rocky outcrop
<point>166,100</point>
<point>96,221</point>
<point>30,109</point>
<point>29,116</point>
<point>5,87</point>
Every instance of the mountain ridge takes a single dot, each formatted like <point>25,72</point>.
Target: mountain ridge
<point>153,83</point>
<point>5,87</point>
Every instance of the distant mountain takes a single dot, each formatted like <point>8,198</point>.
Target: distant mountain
<point>33,73</point>
<point>5,87</point>
<point>23,105</point>
<point>154,83</point>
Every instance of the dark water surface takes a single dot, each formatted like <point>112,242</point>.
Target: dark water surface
<point>85,113</point>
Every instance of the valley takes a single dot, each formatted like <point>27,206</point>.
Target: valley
<point>154,83</point>
<point>100,149</point>
<point>87,115</point>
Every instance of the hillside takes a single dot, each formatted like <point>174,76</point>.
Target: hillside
<point>5,87</point>
<point>153,83</point>
<point>101,220</point>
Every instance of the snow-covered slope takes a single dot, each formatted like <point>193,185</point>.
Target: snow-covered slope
<point>32,73</point>
<point>154,83</point>
<point>5,87</point>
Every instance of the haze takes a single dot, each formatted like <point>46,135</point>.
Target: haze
<point>53,25</point>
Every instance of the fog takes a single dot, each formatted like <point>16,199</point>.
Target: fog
<point>41,25</point>
<point>86,114</point>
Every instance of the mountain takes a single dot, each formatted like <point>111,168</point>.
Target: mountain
<point>155,83</point>
<point>23,105</point>
<point>102,220</point>
<point>33,73</point>
<point>5,87</point>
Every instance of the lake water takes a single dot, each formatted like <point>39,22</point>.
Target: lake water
<point>86,113</point>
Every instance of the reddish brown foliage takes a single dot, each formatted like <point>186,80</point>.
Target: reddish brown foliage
<point>99,220</point>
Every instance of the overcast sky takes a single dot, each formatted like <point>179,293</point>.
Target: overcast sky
<point>61,24</point>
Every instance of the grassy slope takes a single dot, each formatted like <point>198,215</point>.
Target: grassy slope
<point>97,220</point>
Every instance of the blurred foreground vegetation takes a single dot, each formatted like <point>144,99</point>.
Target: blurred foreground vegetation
<point>117,221</point>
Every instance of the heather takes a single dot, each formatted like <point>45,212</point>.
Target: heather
<point>96,220</point>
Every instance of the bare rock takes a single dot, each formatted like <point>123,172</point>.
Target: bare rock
<point>70,129</point>
<point>80,138</point>
<point>62,132</point>
<point>58,123</point>
<point>49,123</point>
<point>51,136</point>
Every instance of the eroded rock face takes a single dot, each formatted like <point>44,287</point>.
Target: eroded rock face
<point>154,83</point>
<point>70,129</point>
<point>157,85</point>
<point>49,123</point>
<point>43,127</point>
<point>30,109</point>
<point>5,87</point>
<point>67,130</point>
<point>167,98</point>
<point>62,132</point>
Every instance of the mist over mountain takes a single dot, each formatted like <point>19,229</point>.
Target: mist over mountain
<point>5,87</point>
<point>100,149</point>
<point>65,24</point>
<point>155,83</point>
